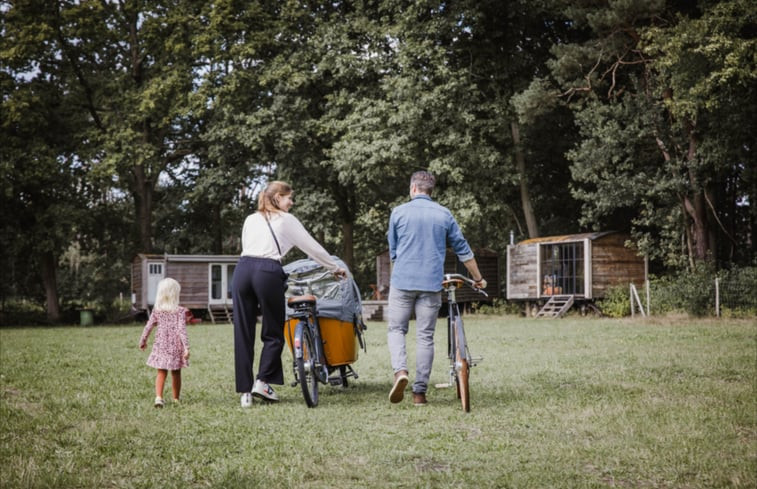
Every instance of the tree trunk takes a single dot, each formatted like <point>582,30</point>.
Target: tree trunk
<point>49,281</point>
<point>143,195</point>
<point>216,230</point>
<point>696,205</point>
<point>525,196</point>
<point>348,229</point>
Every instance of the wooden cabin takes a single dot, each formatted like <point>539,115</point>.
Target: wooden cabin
<point>488,264</point>
<point>205,281</point>
<point>583,266</point>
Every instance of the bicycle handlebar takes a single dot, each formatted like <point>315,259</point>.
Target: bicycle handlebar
<point>471,283</point>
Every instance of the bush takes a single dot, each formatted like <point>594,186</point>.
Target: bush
<point>694,292</point>
<point>689,292</point>
<point>737,288</point>
<point>616,302</point>
<point>499,307</point>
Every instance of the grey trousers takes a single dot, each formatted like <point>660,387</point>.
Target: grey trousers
<point>402,304</point>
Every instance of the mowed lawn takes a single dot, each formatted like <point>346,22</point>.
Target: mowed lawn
<point>568,403</point>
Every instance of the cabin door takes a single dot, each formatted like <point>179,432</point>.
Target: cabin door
<point>219,288</point>
<point>155,273</point>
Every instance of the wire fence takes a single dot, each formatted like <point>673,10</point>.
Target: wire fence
<point>728,293</point>
<point>735,294</point>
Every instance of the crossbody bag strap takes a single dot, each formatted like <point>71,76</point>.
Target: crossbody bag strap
<point>265,216</point>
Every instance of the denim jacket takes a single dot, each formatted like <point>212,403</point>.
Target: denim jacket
<point>419,233</point>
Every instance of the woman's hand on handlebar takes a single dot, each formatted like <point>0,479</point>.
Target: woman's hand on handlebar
<point>340,273</point>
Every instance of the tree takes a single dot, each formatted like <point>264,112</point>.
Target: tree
<point>131,66</point>
<point>653,89</point>
<point>43,185</point>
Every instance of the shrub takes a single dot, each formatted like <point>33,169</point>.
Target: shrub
<point>691,292</point>
<point>616,302</point>
<point>499,307</point>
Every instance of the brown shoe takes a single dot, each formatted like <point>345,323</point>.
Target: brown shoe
<point>419,399</point>
<point>398,389</point>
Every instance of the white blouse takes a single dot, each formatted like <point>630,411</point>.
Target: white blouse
<point>257,240</point>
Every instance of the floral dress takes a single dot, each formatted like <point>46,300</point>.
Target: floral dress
<point>170,339</point>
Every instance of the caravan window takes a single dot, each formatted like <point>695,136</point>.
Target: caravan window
<point>220,282</point>
<point>562,269</point>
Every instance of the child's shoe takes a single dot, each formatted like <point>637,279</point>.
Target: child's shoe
<point>159,402</point>
<point>264,391</point>
<point>246,400</point>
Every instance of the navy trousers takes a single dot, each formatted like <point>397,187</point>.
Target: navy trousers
<point>258,288</point>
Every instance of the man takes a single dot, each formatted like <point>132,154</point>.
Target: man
<point>419,232</point>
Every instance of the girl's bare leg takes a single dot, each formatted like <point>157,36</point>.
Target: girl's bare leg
<point>176,383</point>
<point>160,381</point>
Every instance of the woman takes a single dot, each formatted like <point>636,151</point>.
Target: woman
<point>258,288</point>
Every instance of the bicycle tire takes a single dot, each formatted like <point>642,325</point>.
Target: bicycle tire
<point>462,373</point>
<point>306,364</point>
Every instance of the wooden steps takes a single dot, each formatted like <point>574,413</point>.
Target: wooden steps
<point>556,306</point>
<point>373,310</point>
<point>220,313</point>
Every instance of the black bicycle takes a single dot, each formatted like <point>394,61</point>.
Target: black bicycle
<point>457,347</point>
<point>320,346</point>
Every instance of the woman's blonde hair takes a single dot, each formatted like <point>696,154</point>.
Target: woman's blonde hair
<point>268,198</point>
<point>167,297</point>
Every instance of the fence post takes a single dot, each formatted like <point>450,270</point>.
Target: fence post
<point>630,298</point>
<point>635,295</point>
<point>646,285</point>
<point>717,297</point>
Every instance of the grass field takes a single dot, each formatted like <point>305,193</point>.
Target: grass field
<point>569,403</point>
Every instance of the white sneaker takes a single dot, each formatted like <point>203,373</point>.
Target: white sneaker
<point>159,402</point>
<point>264,391</point>
<point>246,400</point>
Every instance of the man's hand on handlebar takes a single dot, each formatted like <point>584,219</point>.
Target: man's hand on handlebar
<point>480,284</point>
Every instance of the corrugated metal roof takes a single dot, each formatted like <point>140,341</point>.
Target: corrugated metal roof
<point>567,237</point>
<point>191,258</point>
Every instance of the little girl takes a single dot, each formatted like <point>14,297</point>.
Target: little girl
<point>170,350</point>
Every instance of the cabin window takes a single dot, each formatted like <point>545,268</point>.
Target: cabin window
<point>155,269</point>
<point>229,275</point>
<point>562,268</point>
<point>216,282</point>
<point>220,282</point>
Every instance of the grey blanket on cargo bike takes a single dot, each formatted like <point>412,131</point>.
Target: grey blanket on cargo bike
<point>335,298</point>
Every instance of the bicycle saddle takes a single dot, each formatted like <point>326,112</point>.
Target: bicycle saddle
<point>301,299</point>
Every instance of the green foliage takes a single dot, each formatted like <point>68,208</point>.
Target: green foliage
<point>691,292</point>
<point>654,104</point>
<point>150,126</point>
<point>616,302</point>
<point>736,288</point>
<point>498,307</point>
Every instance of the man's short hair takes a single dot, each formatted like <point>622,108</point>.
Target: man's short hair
<point>423,181</point>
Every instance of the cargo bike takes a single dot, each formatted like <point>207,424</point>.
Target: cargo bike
<point>323,328</point>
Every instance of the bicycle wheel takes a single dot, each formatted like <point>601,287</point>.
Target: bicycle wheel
<point>306,364</point>
<point>462,369</point>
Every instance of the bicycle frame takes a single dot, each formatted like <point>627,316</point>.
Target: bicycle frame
<point>310,364</point>
<point>457,346</point>
<point>305,314</point>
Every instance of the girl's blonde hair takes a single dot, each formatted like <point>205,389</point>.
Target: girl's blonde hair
<point>268,198</point>
<point>167,297</point>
